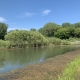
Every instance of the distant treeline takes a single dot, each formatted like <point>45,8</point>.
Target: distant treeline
<point>41,37</point>
<point>64,31</point>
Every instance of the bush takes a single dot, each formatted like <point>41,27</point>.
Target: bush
<point>4,44</point>
<point>55,41</point>
<point>64,42</point>
<point>62,33</point>
<point>23,38</point>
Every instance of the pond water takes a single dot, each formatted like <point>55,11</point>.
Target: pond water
<point>13,59</point>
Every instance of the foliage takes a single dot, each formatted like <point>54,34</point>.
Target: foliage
<point>36,39</point>
<point>17,38</point>
<point>4,44</point>
<point>3,30</point>
<point>62,33</point>
<point>49,29</point>
<point>65,42</point>
<point>77,33</point>
<point>55,41</point>
<point>23,38</point>
<point>77,25</point>
<point>71,31</point>
<point>33,29</point>
<point>65,32</point>
<point>66,24</point>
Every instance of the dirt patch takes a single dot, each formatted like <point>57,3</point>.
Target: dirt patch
<point>46,70</point>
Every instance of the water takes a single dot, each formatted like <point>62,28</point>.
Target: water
<point>12,59</point>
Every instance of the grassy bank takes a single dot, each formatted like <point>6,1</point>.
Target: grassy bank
<point>71,70</point>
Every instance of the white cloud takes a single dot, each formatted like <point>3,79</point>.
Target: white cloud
<point>29,14</point>
<point>46,12</point>
<point>2,19</point>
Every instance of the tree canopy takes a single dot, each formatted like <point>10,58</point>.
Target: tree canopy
<point>24,38</point>
<point>49,29</point>
<point>3,30</point>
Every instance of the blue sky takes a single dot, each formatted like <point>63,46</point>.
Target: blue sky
<point>27,14</point>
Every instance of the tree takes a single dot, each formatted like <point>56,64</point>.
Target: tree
<point>66,24</point>
<point>17,38</point>
<point>71,31</point>
<point>62,33</point>
<point>49,29</point>
<point>77,32</point>
<point>77,25</point>
<point>3,30</point>
<point>36,39</point>
<point>23,38</point>
<point>33,29</point>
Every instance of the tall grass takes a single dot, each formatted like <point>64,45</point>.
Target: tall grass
<point>70,70</point>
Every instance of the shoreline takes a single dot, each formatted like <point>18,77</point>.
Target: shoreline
<point>50,68</point>
<point>16,48</point>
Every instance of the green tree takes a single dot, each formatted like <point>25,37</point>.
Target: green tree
<point>3,30</point>
<point>62,33</point>
<point>17,38</point>
<point>33,29</point>
<point>77,32</point>
<point>36,39</point>
<point>23,38</point>
<point>66,24</point>
<point>49,29</point>
<point>71,31</point>
<point>77,25</point>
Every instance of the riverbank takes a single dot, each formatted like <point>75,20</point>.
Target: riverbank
<point>49,69</point>
<point>6,45</point>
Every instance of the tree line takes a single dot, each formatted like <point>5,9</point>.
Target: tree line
<point>35,38</point>
<point>64,31</point>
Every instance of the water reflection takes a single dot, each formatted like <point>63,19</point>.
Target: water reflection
<point>12,59</point>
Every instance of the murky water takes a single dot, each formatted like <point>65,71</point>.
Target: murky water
<point>12,59</point>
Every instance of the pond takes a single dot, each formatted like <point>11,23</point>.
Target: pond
<point>13,59</point>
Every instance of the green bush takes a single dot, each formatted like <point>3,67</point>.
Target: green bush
<point>23,38</point>
<point>55,41</point>
<point>65,42</point>
<point>62,33</point>
<point>4,44</point>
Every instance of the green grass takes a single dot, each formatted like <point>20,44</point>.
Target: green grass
<point>70,70</point>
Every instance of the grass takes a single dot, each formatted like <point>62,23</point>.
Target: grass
<point>70,71</point>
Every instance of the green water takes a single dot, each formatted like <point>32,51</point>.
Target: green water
<point>12,59</point>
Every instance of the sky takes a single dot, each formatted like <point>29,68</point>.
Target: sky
<point>27,14</point>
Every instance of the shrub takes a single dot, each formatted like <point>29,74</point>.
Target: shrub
<point>55,41</point>
<point>4,44</point>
